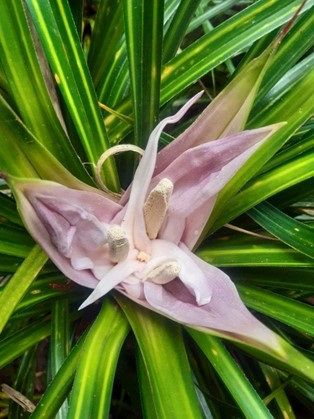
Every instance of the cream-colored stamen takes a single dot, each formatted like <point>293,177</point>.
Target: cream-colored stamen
<point>164,273</point>
<point>121,148</point>
<point>118,243</point>
<point>155,207</point>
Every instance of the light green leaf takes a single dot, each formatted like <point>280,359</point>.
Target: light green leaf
<point>20,282</point>
<point>21,63</point>
<point>91,394</point>
<point>165,360</point>
<point>57,32</point>
<point>295,44</point>
<point>278,393</point>
<point>20,146</point>
<point>252,252</point>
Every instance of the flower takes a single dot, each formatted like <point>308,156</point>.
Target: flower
<point>142,245</point>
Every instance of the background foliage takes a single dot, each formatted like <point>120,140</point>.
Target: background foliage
<point>142,59</point>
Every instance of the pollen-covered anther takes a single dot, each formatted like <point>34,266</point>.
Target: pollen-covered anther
<point>156,206</point>
<point>164,273</point>
<point>118,243</point>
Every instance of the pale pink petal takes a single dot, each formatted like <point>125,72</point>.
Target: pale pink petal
<point>225,115</point>
<point>133,219</point>
<point>59,218</point>
<point>117,274</point>
<point>101,207</point>
<point>225,314</point>
<point>198,176</point>
<point>40,233</point>
<point>190,274</point>
<point>132,287</point>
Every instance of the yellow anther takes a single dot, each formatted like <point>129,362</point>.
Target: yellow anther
<point>142,256</point>
<point>156,206</point>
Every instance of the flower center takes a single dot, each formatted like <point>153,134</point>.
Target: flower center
<point>142,256</point>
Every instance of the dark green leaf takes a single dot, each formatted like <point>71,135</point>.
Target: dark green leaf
<point>294,313</point>
<point>143,21</point>
<point>292,232</point>
<point>60,386</point>
<point>177,28</point>
<point>232,376</point>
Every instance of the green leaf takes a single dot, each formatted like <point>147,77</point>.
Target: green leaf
<point>292,232</point>
<point>232,376</point>
<point>252,252</point>
<point>294,313</point>
<point>57,32</point>
<point>273,380</point>
<point>77,13</point>
<point>91,394</point>
<point>290,279</point>
<point>14,241</point>
<point>8,209</point>
<point>227,39</point>
<point>295,108</point>
<point>18,165</point>
<point>59,342</point>
<point>9,264</point>
<point>210,13</point>
<point>60,386</point>
<point>107,32</point>
<point>266,185</point>
<point>13,346</point>
<point>163,352</point>
<point>143,21</point>
<point>20,282</point>
<point>24,382</point>
<point>147,398</point>
<point>295,44</point>
<point>265,105</point>
<point>222,43</point>
<point>177,28</point>
<point>21,63</point>
<point>48,287</point>
<point>37,160</point>
<point>290,151</point>
<point>115,80</point>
